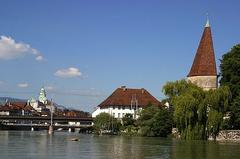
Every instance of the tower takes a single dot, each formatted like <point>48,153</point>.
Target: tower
<point>42,96</point>
<point>203,72</point>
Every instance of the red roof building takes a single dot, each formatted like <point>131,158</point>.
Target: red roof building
<point>16,108</point>
<point>126,96</point>
<point>126,100</point>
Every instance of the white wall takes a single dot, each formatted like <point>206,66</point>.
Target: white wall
<point>117,113</point>
<point>4,113</point>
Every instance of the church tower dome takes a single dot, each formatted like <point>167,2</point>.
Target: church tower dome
<point>203,72</point>
<point>42,96</point>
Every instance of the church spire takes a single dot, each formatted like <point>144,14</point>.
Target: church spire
<point>207,23</point>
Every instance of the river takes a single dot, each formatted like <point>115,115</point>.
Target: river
<point>40,145</point>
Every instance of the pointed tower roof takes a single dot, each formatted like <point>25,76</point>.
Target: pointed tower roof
<point>204,62</point>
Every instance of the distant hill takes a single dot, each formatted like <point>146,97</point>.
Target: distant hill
<point>9,99</point>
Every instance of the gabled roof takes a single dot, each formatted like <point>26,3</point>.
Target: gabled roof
<point>5,108</point>
<point>204,62</point>
<point>125,96</point>
<point>16,106</point>
<point>20,105</point>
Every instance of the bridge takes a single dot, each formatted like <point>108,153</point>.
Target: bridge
<point>43,122</point>
<point>47,118</point>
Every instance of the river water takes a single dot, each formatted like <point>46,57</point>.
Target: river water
<point>40,145</point>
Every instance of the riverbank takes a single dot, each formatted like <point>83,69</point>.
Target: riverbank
<point>223,135</point>
<point>229,135</point>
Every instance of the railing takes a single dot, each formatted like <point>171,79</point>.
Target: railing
<point>47,125</point>
<point>47,118</point>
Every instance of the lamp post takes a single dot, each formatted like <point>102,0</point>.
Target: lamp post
<point>50,130</point>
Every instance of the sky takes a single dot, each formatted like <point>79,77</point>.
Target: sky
<point>81,51</point>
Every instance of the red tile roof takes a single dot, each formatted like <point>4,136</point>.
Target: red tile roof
<point>123,97</point>
<point>19,105</point>
<point>5,108</point>
<point>204,62</point>
<point>16,106</point>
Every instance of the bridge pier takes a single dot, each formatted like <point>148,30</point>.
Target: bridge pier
<point>50,130</point>
<point>77,129</point>
<point>71,129</point>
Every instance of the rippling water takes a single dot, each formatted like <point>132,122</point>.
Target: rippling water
<point>40,145</point>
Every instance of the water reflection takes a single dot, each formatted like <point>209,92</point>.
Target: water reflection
<point>204,149</point>
<point>133,147</point>
<point>40,145</point>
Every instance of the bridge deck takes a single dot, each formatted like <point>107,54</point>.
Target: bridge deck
<point>47,118</point>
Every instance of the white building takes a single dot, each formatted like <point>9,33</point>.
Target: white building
<point>42,96</point>
<point>126,101</point>
<point>35,104</point>
<point>42,103</point>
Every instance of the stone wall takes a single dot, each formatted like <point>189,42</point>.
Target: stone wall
<point>205,82</point>
<point>229,135</point>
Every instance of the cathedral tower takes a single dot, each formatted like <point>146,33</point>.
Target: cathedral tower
<point>42,96</point>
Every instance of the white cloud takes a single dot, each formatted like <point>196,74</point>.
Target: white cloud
<point>39,58</point>
<point>68,73</point>
<point>49,88</point>
<point>23,85</point>
<point>10,49</point>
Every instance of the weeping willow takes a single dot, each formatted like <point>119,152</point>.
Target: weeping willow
<point>198,114</point>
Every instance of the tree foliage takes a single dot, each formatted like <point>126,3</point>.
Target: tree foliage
<point>195,110</point>
<point>230,76</point>
<point>105,121</point>
<point>154,121</point>
<point>128,120</point>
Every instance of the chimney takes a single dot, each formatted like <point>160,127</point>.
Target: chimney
<point>124,88</point>
<point>142,90</point>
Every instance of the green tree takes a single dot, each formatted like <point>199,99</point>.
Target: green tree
<point>218,103</point>
<point>162,123</point>
<point>105,121</point>
<point>145,121</point>
<point>154,121</point>
<point>195,110</point>
<point>128,125</point>
<point>230,76</point>
<point>189,114</point>
<point>128,120</point>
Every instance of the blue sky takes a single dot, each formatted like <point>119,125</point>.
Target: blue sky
<point>81,51</point>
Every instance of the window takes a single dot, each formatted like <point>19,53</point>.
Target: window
<point>118,115</point>
<point>113,107</point>
<point>123,114</point>
<point>123,108</point>
<point>113,114</point>
<point>119,107</point>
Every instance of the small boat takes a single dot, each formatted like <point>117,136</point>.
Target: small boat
<point>75,139</point>
<point>60,129</point>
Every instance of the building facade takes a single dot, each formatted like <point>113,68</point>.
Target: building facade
<point>203,72</point>
<point>42,104</point>
<point>126,101</point>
